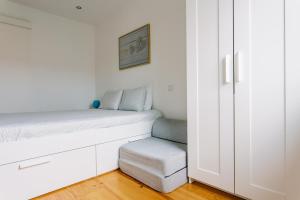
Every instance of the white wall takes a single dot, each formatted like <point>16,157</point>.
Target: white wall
<point>60,73</point>
<point>168,65</point>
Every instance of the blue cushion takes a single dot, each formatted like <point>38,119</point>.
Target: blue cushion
<point>96,104</point>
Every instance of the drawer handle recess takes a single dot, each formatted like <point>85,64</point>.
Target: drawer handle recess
<point>30,164</point>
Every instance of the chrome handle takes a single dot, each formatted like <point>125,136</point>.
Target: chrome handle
<point>227,73</point>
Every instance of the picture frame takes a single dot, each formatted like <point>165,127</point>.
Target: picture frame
<point>135,48</point>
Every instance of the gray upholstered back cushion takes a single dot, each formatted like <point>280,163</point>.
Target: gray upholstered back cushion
<point>170,129</point>
<point>133,99</point>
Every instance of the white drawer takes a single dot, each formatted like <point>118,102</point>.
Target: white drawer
<point>108,154</point>
<point>35,177</point>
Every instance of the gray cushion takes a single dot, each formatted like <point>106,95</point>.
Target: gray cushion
<point>133,99</point>
<point>158,156</point>
<point>170,129</point>
<point>157,182</point>
<point>111,100</point>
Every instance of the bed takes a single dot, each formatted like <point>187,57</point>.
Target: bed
<point>52,150</point>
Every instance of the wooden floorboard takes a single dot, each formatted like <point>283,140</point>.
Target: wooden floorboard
<point>118,186</point>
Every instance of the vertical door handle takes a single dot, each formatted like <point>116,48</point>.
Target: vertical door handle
<point>238,68</point>
<point>227,70</point>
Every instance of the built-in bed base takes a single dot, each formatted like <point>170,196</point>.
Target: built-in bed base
<point>33,167</point>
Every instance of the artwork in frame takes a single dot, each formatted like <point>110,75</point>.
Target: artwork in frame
<point>134,48</point>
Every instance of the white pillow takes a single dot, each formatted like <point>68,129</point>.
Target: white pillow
<point>148,101</point>
<point>111,100</point>
<point>133,99</point>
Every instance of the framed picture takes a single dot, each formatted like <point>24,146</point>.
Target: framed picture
<point>134,48</point>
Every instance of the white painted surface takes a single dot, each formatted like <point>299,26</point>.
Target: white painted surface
<point>266,95</point>
<point>59,71</point>
<point>4,19</point>
<point>210,98</point>
<point>293,98</point>
<point>260,100</point>
<point>168,50</point>
<point>22,150</point>
<point>59,171</point>
<point>108,154</point>
<point>64,162</point>
<point>93,11</point>
<point>50,67</point>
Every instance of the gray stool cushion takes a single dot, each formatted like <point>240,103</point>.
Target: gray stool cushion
<point>170,129</point>
<point>161,184</point>
<point>159,161</point>
<point>158,156</point>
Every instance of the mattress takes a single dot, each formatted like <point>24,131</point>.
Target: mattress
<point>16,127</point>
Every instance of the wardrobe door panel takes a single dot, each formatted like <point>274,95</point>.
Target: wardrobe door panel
<point>293,98</point>
<point>210,92</point>
<point>260,99</point>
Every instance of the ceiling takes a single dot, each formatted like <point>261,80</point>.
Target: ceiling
<point>93,11</point>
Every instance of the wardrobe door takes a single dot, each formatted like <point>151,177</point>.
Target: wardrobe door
<point>293,98</point>
<point>210,92</point>
<point>260,98</point>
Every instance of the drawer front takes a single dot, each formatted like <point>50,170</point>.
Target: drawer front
<point>28,179</point>
<point>108,154</point>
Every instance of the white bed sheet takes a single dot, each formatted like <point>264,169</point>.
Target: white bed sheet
<point>16,127</point>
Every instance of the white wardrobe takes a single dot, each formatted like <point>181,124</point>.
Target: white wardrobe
<point>244,95</point>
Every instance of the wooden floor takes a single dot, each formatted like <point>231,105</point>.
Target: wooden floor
<point>118,186</point>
